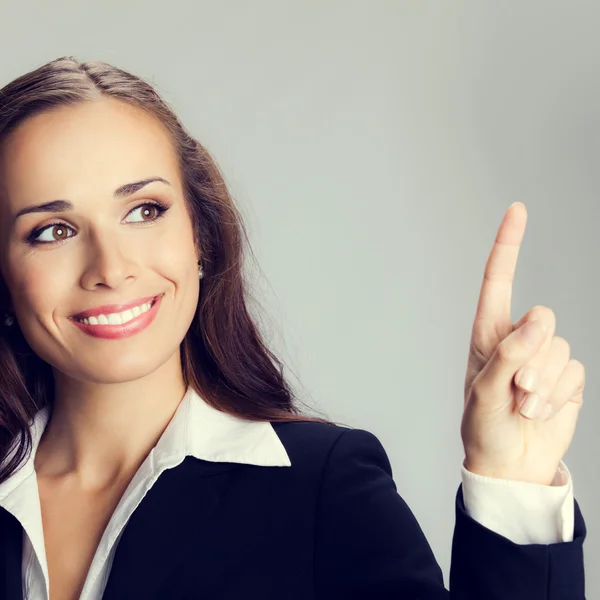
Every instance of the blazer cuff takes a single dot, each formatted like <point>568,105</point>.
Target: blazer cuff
<point>524,513</point>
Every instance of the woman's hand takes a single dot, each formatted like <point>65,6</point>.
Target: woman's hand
<point>501,438</point>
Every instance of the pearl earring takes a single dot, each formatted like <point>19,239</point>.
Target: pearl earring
<point>200,271</point>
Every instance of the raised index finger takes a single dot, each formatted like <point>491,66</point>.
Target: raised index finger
<point>496,291</point>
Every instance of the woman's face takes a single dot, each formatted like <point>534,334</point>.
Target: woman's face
<point>97,246</point>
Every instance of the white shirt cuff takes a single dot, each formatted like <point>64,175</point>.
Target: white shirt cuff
<point>525,513</point>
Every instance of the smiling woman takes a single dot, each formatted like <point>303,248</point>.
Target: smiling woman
<point>150,445</point>
<point>76,131</point>
<point>110,211</point>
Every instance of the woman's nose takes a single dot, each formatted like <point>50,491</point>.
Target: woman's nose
<point>110,265</point>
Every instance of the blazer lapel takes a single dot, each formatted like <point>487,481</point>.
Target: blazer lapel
<point>11,548</point>
<point>173,520</point>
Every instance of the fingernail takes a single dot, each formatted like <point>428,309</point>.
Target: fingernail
<point>528,379</point>
<point>531,406</point>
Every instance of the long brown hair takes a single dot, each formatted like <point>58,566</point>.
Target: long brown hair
<point>223,355</point>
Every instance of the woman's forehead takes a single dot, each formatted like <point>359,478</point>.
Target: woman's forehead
<point>102,141</point>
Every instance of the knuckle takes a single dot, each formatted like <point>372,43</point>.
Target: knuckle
<point>543,311</point>
<point>506,352</point>
<point>577,399</point>
<point>561,346</point>
<point>544,314</point>
<point>579,369</point>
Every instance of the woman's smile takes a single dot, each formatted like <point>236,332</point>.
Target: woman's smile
<point>100,323</point>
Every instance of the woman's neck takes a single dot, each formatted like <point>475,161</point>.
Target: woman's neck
<point>100,432</point>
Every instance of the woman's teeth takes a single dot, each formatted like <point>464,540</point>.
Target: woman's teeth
<point>118,318</point>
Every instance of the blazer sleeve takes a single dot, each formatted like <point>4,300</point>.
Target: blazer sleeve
<point>368,543</point>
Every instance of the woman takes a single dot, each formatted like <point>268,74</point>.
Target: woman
<point>151,446</point>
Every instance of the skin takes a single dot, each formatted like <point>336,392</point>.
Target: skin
<point>114,398</point>
<point>501,437</point>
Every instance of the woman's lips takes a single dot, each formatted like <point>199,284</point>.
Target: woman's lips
<point>112,308</point>
<point>114,332</point>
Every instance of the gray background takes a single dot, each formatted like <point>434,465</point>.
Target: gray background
<point>374,147</point>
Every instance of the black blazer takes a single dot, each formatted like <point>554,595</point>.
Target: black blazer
<point>332,526</point>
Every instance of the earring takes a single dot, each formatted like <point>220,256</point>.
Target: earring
<point>8,319</point>
<point>200,271</point>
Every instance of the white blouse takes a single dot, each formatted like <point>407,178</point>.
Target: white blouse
<point>525,513</point>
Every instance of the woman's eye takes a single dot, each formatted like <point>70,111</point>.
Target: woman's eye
<point>148,212</point>
<point>55,232</point>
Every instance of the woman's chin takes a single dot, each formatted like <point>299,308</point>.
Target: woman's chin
<point>118,369</point>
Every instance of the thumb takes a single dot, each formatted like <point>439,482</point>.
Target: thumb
<point>512,353</point>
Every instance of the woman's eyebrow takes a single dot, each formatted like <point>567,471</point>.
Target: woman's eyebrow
<point>64,205</point>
